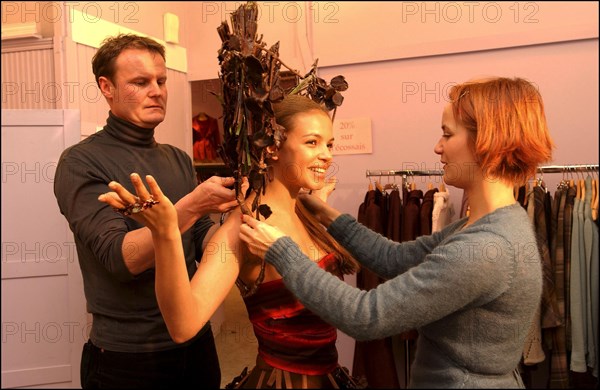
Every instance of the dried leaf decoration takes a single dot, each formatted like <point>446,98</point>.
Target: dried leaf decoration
<point>251,83</point>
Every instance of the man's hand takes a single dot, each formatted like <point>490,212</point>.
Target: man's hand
<point>214,196</point>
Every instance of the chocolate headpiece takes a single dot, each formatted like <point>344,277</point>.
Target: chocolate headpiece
<point>251,83</point>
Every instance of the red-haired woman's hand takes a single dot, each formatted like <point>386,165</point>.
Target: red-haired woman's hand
<point>259,236</point>
<point>327,189</point>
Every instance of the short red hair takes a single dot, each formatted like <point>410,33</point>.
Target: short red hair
<point>506,120</point>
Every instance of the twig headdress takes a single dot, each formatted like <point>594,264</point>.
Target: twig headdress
<point>251,83</point>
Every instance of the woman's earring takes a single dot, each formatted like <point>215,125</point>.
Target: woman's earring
<point>270,173</point>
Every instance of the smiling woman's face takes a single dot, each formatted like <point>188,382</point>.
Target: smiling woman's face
<point>305,155</point>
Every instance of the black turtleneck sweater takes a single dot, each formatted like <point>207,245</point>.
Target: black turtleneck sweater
<point>126,317</point>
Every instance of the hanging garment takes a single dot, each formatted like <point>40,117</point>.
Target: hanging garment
<point>411,222</point>
<point>567,241</point>
<point>538,373</point>
<point>595,294</point>
<point>549,312</point>
<point>405,343</point>
<point>394,223</point>
<point>533,353</point>
<point>369,214</point>
<point>590,273</point>
<point>521,196</point>
<point>426,212</point>
<point>578,287</point>
<point>206,137</point>
<point>442,212</point>
<point>581,375</point>
<point>559,369</point>
<point>374,359</point>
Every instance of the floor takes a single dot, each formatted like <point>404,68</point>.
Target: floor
<point>236,344</point>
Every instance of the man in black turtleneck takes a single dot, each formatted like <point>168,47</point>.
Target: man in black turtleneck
<point>129,345</point>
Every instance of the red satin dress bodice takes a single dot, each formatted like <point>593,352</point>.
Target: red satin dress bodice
<point>290,337</point>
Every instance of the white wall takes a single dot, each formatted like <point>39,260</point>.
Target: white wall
<point>358,32</point>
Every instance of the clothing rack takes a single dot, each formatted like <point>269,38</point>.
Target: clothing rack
<point>439,172</point>
<point>405,173</point>
<point>568,168</point>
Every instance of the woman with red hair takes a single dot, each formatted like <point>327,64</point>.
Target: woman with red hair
<point>471,290</point>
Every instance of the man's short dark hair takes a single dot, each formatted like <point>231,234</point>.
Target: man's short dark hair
<point>103,63</point>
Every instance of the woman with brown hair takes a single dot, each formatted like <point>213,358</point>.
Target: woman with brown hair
<point>296,348</point>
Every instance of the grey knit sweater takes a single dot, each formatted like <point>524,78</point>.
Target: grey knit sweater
<point>471,294</point>
<point>126,316</point>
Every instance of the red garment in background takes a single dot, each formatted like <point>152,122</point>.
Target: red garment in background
<point>206,137</point>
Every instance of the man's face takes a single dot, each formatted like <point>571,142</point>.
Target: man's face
<point>138,92</point>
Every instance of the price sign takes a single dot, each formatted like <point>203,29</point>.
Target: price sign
<point>352,136</point>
